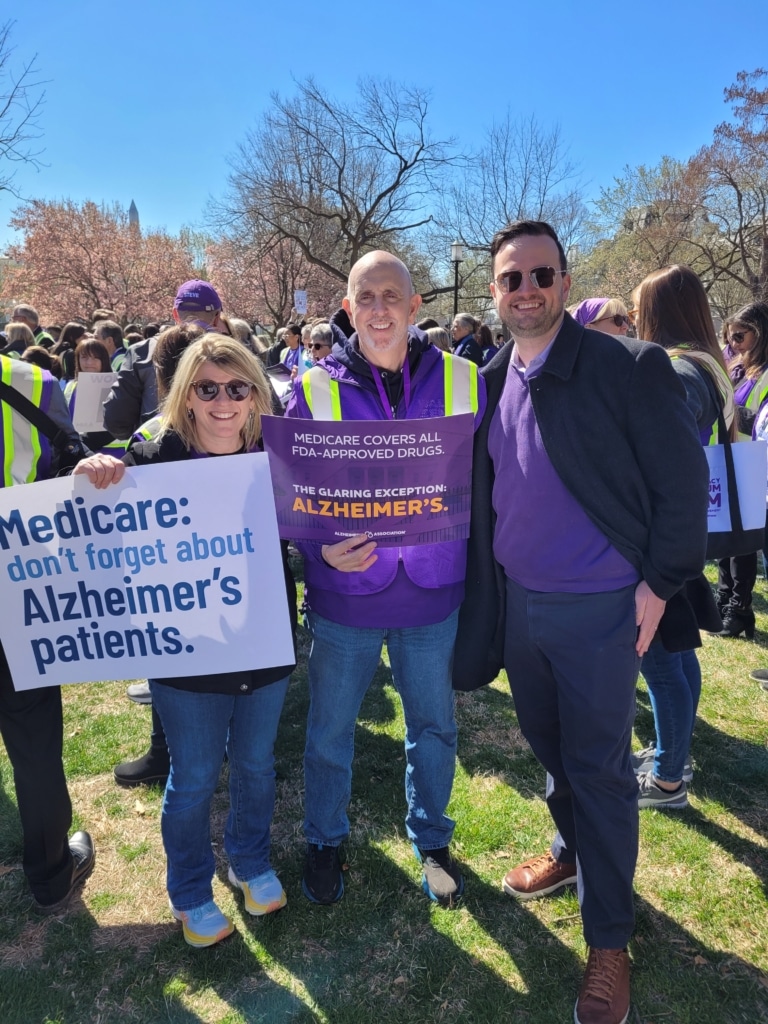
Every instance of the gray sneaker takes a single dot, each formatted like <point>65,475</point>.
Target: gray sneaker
<point>642,762</point>
<point>651,795</point>
<point>139,693</point>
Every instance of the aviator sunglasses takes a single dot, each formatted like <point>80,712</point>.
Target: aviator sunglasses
<point>540,277</point>
<point>207,390</point>
<point>737,336</point>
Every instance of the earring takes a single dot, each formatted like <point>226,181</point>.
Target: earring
<point>190,414</point>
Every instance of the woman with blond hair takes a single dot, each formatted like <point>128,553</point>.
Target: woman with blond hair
<point>607,315</point>
<point>214,408</point>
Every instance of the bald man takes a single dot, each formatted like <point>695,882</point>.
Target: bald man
<point>361,596</point>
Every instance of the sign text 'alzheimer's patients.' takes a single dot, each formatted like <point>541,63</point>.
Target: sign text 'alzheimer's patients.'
<point>174,571</point>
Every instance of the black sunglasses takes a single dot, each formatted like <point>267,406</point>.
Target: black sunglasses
<point>738,336</point>
<point>319,344</point>
<point>618,319</point>
<point>207,390</point>
<point>540,277</point>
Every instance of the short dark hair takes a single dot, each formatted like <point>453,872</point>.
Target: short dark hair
<point>293,329</point>
<point>109,329</point>
<point>521,228</point>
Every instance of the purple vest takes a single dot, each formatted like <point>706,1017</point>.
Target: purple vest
<point>429,566</point>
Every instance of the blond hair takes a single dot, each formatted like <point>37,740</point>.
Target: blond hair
<point>227,354</point>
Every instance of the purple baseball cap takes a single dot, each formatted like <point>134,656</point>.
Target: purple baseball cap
<point>197,297</point>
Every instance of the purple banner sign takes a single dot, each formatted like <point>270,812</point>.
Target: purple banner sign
<point>402,482</point>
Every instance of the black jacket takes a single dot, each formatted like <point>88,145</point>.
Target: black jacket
<point>614,422</point>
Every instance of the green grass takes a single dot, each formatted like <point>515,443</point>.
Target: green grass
<point>384,954</point>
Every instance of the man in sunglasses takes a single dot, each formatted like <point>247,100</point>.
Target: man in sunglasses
<point>590,495</point>
<point>361,595</point>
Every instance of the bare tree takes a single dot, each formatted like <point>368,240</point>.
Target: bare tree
<point>337,180</point>
<point>522,171</point>
<point>732,177</point>
<point>21,101</point>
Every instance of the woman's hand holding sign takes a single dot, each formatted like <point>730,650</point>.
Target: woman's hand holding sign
<point>353,554</point>
<point>102,470</point>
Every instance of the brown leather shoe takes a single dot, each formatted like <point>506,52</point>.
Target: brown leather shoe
<point>604,995</point>
<point>538,877</point>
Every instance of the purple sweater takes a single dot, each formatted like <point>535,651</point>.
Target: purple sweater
<point>544,539</point>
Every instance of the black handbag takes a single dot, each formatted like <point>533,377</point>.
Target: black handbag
<point>67,451</point>
<point>737,540</point>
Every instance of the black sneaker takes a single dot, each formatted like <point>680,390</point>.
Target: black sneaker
<point>323,881</point>
<point>442,880</point>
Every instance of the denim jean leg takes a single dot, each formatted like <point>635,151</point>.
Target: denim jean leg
<point>674,687</point>
<point>342,663</point>
<point>421,660</point>
<point>196,727</point>
<point>250,748</point>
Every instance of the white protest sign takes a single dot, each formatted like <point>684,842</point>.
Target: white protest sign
<point>174,571</point>
<point>300,301</point>
<point>91,393</point>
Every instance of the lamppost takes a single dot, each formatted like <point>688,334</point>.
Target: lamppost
<point>457,257</point>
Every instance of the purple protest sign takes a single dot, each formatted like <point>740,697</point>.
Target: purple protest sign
<point>402,482</point>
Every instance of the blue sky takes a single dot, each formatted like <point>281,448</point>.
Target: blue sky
<point>147,100</point>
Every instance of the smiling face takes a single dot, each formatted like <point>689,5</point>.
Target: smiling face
<point>381,304</point>
<point>219,423</point>
<point>533,315</point>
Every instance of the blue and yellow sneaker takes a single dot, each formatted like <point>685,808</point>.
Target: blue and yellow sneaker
<point>203,926</point>
<point>263,894</point>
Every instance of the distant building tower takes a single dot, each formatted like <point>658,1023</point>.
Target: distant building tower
<point>133,215</point>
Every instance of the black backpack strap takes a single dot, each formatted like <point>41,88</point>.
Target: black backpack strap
<point>58,438</point>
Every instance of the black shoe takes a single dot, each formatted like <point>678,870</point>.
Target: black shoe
<point>151,769</point>
<point>83,860</point>
<point>737,621</point>
<point>323,881</point>
<point>442,880</point>
<point>760,675</point>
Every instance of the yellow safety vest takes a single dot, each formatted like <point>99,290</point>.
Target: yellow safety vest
<point>321,391</point>
<point>21,439</point>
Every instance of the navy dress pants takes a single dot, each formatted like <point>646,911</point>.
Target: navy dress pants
<point>572,669</point>
<point>32,729</point>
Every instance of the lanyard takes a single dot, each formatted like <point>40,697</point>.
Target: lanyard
<point>385,402</point>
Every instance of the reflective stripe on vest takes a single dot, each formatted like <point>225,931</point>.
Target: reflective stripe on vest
<point>321,391</point>
<point>758,394</point>
<point>21,440</point>
<point>149,430</point>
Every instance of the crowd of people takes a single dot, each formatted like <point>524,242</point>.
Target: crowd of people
<point>575,423</point>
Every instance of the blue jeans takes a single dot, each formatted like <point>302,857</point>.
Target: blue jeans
<point>199,728</point>
<point>342,662</point>
<point>674,686</point>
